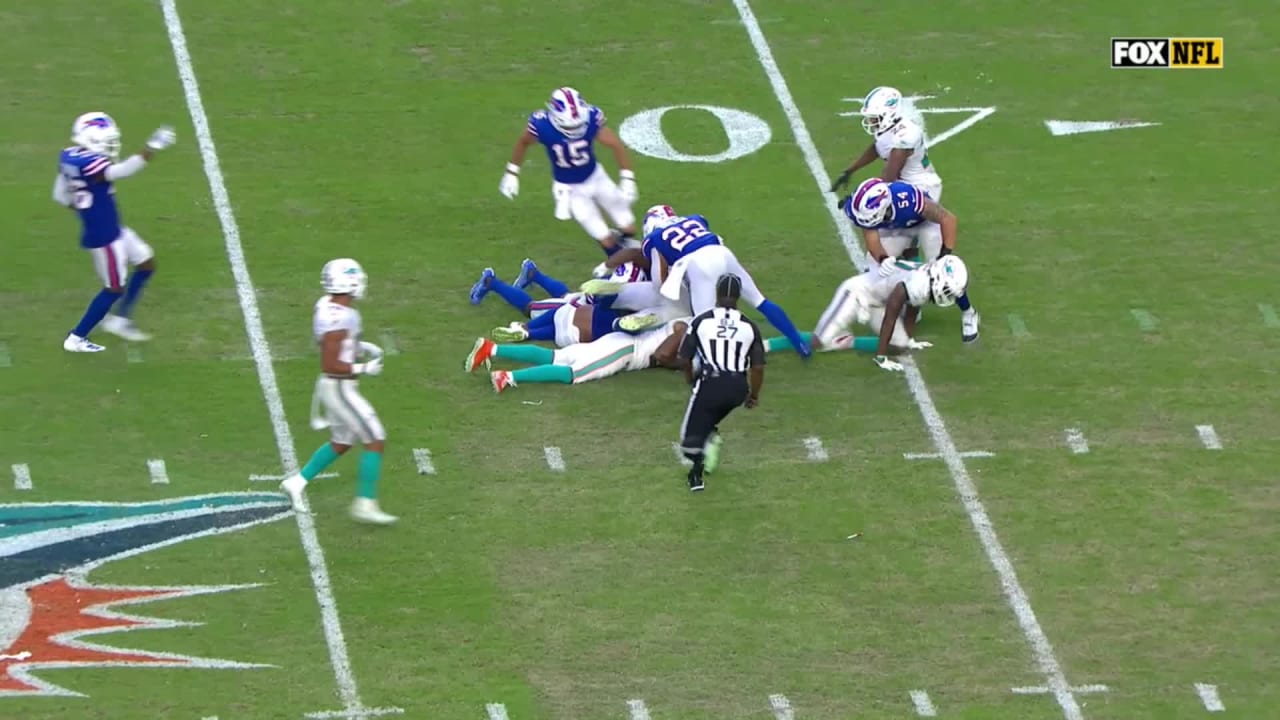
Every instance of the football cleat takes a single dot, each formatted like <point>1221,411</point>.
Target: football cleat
<point>637,322</point>
<point>602,287</point>
<point>366,510</point>
<point>75,343</point>
<point>123,327</point>
<point>515,332</point>
<point>696,484</point>
<point>480,354</point>
<point>969,326</point>
<point>294,486</point>
<point>501,380</point>
<point>528,269</point>
<point>481,288</point>
<point>711,454</point>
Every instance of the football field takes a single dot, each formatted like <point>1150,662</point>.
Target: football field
<point>1073,518</point>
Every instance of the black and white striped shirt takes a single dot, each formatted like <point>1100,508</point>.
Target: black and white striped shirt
<point>725,341</point>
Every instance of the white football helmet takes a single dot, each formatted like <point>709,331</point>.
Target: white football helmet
<point>871,204</point>
<point>568,112</point>
<point>97,132</point>
<point>948,279</point>
<point>344,276</point>
<point>658,216</point>
<point>881,110</point>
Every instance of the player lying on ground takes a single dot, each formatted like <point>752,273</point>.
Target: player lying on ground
<point>608,355</point>
<point>685,259</point>
<point>337,403</point>
<point>893,217</point>
<point>87,172</point>
<point>890,306</point>
<point>566,320</point>
<point>897,139</point>
<point>569,129</point>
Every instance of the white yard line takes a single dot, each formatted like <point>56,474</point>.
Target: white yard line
<point>1016,596</point>
<point>555,460</point>
<point>924,706</point>
<point>356,714</point>
<point>817,453</point>
<point>1209,696</point>
<point>1018,327</point>
<point>1042,690</point>
<point>6,360</point>
<point>1146,321</point>
<point>390,345</point>
<point>781,707</point>
<point>968,454</point>
<point>278,478</point>
<point>1209,437</point>
<point>348,692</point>
<point>1076,441</point>
<point>132,354</point>
<point>637,710</point>
<point>422,458</point>
<point>1269,318</point>
<point>496,711</point>
<point>159,474</point>
<point>21,476</point>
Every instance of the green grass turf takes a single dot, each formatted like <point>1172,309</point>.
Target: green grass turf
<point>380,131</point>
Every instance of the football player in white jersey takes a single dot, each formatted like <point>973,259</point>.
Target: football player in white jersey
<point>337,403</point>
<point>608,355</point>
<point>898,140</point>
<point>888,304</point>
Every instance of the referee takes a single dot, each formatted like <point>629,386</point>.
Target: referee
<point>731,358</point>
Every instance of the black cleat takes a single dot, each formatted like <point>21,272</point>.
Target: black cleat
<point>695,480</point>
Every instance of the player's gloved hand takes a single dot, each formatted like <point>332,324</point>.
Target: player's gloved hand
<point>164,137</point>
<point>373,367</point>
<point>510,185</point>
<point>886,364</point>
<point>627,186</point>
<point>913,344</point>
<point>945,251</point>
<point>602,272</point>
<point>368,348</point>
<point>841,181</point>
<point>889,266</point>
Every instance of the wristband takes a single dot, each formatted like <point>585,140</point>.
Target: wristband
<point>513,169</point>
<point>357,368</point>
<point>626,175</point>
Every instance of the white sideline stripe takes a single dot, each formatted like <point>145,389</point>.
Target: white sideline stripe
<point>278,478</point>
<point>1209,696</point>
<point>356,714</point>
<point>555,460</point>
<point>817,453</point>
<point>496,711</point>
<point>675,448</point>
<point>924,706</point>
<point>159,475</point>
<point>1146,321</point>
<point>21,476</point>
<point>132,354</point>
<point>348,693</point>
<point>1018,327</point>
<point>1016,596</point>
<point>637,710</point>
<point>781,707</point>
<point>1209,437</point>
<point>1076,441</point>
<point>6,360</point>
<point>938,456</point>
<point>1269,318</point>
<point>422,457</point>
<point>1042,690</point>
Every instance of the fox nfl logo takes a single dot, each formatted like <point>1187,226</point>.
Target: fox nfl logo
<point>1166,53</point>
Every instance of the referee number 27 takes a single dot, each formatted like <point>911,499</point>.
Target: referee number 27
<point>727,329</point>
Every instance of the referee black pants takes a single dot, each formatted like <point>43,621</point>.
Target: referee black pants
<point>713,398</point>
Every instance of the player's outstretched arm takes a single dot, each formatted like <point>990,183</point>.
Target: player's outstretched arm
<point>867,157</point>
<point>164,137</point>
<point>871,241</point>
<point>667,354</point>
<point>892,311</point>
<point>627,255</point>
<point>510,185</point>
<point>934,212</point>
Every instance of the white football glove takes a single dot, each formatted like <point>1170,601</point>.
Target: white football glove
<point>373,367</point>
<point>886,364</point>
<point>889,266</point>
<point>368,348</point>
<point>602,272</point>
<point>913,344</point>
<point>164,137</point>
<point>510,185</point>
<point>627,186</point>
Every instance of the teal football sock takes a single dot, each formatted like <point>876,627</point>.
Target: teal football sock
<point>531,354</point>
<point>370,472</point>
<point>774,344</point>
<point>544,374</point>
<point>322,458</point>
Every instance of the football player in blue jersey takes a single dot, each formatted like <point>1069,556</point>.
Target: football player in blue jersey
<point>87,171</point>
<point>895,216</point>
<point>569,129</point>
<point>682,251</point>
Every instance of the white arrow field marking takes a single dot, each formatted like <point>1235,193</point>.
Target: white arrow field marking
<point>1075,127</point>
<point>977,114</point>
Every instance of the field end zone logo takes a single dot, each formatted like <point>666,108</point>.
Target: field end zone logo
<point>48,610</point>
<point>1166,53</point>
